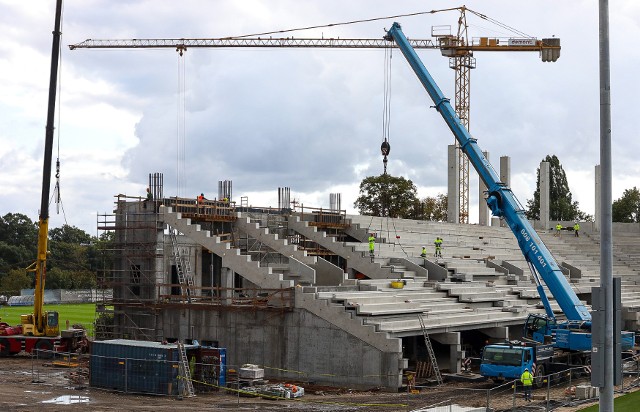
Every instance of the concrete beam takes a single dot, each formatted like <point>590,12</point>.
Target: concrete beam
<point>447,338</point>
<point>498,332</point>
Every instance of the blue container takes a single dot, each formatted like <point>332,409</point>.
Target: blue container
<point>136,366</point>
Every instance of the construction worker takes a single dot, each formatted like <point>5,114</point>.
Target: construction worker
<point>576,229</point>
<point>148,199</point>
<point>438,243</point>
<point>200,201</point>
<point>424,252</point>
<point>558,229</point>
<point>527,381</point>
<point>372,245</point>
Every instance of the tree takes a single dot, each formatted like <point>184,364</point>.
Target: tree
<point>18,230</point>
<point>18,241</point>
<point>627,208</point>
<point>433,208</point>
<point>386,195</point>
<point>72,260</point>
<point>15,280</point>
<point>69,234</point>
<point>561,205</point>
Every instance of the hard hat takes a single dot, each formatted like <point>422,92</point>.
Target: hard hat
<point>526,369</point>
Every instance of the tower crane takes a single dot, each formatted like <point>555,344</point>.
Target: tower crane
<point>458,48</point>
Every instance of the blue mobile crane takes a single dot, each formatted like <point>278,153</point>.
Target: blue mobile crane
<point>546,339</point>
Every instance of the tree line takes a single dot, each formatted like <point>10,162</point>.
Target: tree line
<point>72,260</point>
<point>392,196</point>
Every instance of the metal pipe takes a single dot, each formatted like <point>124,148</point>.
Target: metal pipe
<point>606,253</point>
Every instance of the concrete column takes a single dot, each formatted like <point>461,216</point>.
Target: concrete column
<point>596,216</point>
<point>505,177</point>
<point>454,340</point>
<point>545,185</point>
<point>453,185</point>
<point>505,170</point>
<point>483,208</point>
<point>226,282</point>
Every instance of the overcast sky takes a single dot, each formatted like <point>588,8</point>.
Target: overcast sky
<point>308,119</point>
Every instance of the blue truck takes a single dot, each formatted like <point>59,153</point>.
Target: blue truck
<point>547,343</point>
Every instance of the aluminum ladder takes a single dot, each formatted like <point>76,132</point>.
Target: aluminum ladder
<point>432,355</point>
<point>185,371</point>
<point>183,267</point>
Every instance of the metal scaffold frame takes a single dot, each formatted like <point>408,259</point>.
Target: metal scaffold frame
<point>130,268</point>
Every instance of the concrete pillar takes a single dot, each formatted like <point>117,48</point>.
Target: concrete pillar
<point>226,282</point>
<point>453,185</point>
<point>505,170</point>
<point>454,340</point>
<point>505,177</point>
<point>596,216</point>
<point>483,208</point>
<point>545,185</point>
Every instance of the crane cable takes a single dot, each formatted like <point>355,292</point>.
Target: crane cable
<point>180,128</point>
<point>499,24</point>
<point>56,195</point>
<point>385,147</point>
<point>343,23</point>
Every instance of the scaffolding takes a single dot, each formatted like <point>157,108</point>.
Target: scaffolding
<point>131,263</point>
<point>143,275</point>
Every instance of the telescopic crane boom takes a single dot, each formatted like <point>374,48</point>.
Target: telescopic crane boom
<point>501,199</point>
<point>41,323</point>
<point>574,335</point>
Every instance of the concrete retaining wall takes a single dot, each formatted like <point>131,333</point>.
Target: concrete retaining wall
<point>290,345</point>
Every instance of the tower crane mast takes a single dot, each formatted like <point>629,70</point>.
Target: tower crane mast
<point>458,48</point>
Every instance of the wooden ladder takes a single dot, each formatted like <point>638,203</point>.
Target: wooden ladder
<point>185,371</point>
<point>432,355</point>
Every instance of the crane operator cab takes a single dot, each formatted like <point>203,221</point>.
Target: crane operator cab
<point>51,324</point>
<point>538,327</point>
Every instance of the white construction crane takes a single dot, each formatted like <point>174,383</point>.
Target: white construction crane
<point>458,48</point>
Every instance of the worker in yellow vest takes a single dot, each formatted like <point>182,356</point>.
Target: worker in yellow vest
<point>527,381</point>
<point>372,245</point>
<point>558,229</point>
<point>576,228</point>
<point>438,243</point>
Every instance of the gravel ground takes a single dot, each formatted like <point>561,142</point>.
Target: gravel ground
<point>52,391</point>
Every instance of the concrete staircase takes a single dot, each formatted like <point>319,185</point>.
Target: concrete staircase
<point>231,257</point>
<point>300,267</point>
<point>357,260</point>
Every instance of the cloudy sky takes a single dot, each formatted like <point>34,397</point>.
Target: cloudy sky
<point>308,119</point>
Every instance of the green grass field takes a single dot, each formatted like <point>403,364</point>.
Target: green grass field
<point>625,403</point>
<point>83,313</point>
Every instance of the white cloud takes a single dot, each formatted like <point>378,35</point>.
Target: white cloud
<point>307,119</point>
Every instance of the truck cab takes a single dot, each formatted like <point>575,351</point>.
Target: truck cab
<point>500,362</point>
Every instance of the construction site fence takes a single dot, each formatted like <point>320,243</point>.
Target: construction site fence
<point>570,387</point>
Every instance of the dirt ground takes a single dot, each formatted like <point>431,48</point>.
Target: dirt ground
<point>49,389</point>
